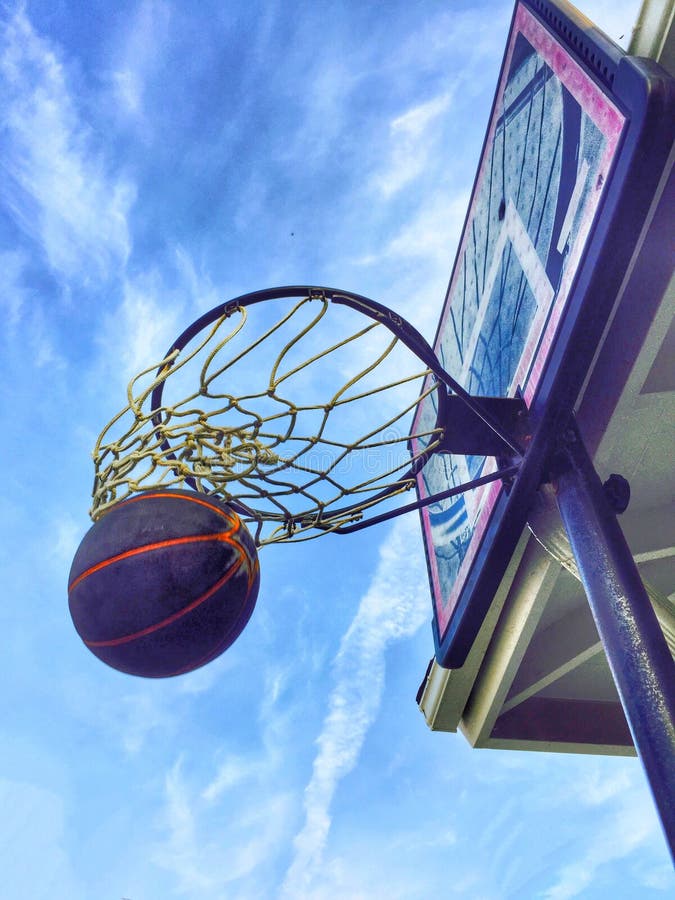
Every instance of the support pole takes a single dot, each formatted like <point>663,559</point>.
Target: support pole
<point>638,656</point>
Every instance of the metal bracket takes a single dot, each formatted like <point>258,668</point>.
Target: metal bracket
<point>465,433</point>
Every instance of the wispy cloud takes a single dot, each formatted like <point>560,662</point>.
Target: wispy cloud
<point>433,233</point>
<point>66,533</point>
<point>205,848</point>
<point>27,326</point>
<point>412,141</point>
<point>458,43</point>
<point>625,821</point>
<point>143,713</point>
<point>125,712</point>
<point>422,252</point>
<point>144,325</point>
<point>58,185</point>
<point>393,607</point>
<point>195,284</point>
<point>139,57</point>
<point>183,848</point>
<point>157,304</point>
<point>35,832</point>
<point>12,290</point>
<point>41,342</point>
<point>325,100</point>
<point>231,772</point>
<point>204,679</point>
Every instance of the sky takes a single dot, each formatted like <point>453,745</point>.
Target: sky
<point>157,158</point>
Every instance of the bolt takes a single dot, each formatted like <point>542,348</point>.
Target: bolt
<point>617,492</point>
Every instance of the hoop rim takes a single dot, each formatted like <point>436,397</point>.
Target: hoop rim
<point>398,326</point>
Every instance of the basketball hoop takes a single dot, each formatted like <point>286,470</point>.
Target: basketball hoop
<point>295,405</point>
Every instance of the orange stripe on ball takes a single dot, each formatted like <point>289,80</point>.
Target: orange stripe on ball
<point>223,536</point>
<point>164,495</point>
<point>114,642</point>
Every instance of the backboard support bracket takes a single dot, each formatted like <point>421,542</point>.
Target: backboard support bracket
<point>467,434</point>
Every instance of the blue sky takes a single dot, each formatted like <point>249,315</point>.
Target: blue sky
<point>158,158</point>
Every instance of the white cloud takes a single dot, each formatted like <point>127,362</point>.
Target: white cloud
<point>330,83</point>
<point>222,827</point>
<point>140,56</point>
<point>199,287</point>
<point>183,850</point>
<point>413,140</point>
<point>141,713</point>
<point>419,840</point>
<point>203,679</point>
<point>66,533</point>
<point>206,848</point>
<point>28,329</point>
<point>393,607</point>
<point>595,788</point>
<point>361,878</point>
<point>231,772</point>
<point>422,252</point>
<point>33,829</point>
<point>263,826</point>
<point>414,123</point>
<point>127,90</point>
<point>41,342</point>
<point>57,185</point>
<point>124,711</point>
<point>156,306</point>
<point>12,291</point>
<point>626,823</point>
<point>434,232</point>
<point>659,876</point>
<point>149,319</point>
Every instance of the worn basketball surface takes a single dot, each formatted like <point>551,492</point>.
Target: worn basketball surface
<point>163,583</point>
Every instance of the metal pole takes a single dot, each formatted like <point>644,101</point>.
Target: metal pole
<point>638,656</point>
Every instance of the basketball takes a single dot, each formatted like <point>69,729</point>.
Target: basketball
<point>163,583</point>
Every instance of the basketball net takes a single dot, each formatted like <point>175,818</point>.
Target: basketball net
<point>222,414</point>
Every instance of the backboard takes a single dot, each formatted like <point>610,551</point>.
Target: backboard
<point>574,146</point>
